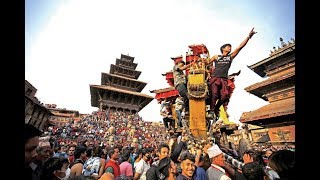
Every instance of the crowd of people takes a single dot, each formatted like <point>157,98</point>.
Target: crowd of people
<point>120,145</point>
<point>110,128</point>
<point>108,145</point>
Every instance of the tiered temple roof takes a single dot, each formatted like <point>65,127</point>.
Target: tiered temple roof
<point>122,82</point>
<point>124,71</point>
<point>125,63</point>
<point>120,88</point>
<point>278,89</point>
<point>278,57</point>
<point>275,109</point>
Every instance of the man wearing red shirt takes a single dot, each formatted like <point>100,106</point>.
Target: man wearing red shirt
<point>112,166</point>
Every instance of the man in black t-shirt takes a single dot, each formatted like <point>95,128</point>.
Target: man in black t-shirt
<point>219,78</point>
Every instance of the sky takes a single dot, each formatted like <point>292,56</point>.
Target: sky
<point>69,43</point>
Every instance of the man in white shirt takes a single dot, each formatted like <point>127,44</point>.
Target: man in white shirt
<point>167,117</point>
<point>142,166</point>
<point>216,171</point>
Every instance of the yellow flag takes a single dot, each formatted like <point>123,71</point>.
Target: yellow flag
<point>223,116</point>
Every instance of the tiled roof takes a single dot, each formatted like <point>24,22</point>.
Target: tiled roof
<point>97,90</point>
<point>271,80</point>
<point>120,90</point>
<point>165,93</point>
<point>62,114</point>
<point>131,58</point>
<point>274,109</point>
<point>261,66</point>
<point>122,77</point>
<point>62,109</point>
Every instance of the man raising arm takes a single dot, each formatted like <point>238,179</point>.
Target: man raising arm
<point>219,77</point>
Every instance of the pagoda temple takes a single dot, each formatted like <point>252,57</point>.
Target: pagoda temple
<point>277,117</point>
<point>120,89</point>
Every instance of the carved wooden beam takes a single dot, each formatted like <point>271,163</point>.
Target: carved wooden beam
<point>132,100</point>
<point>142,101</point>
<point>99,95</point>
